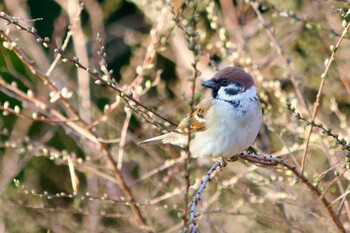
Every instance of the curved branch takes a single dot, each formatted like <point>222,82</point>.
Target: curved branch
<point>266,161</point>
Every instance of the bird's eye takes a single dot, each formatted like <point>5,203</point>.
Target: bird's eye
<point>224,81</point>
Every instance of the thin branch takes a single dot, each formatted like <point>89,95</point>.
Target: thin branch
<point>197,197</point>
<point>93,72</point>
<point>302,178</point>
<point>327,131</point>
<point>28,63</point>
<point>280,52</point>
<point>341,197</point>
<point>34,117</point>
<point>123,138</point>
<point>344,202</point>
<point>166,165</point>
<point>192,38</point>
<point>270,161</point>
<point>319,94</point>
<point>82,130</point>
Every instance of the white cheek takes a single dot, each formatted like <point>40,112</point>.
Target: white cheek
<point>223,95</point>
<point>242,96</point>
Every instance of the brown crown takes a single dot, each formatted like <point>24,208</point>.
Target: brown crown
<point>237,75</point>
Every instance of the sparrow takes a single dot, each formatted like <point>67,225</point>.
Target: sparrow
<point>226,123</point>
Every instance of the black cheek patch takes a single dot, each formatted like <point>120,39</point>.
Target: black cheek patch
<point>232,91</point>
<point>215,93</point>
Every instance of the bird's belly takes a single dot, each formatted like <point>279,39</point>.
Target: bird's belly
<point>225,140</point>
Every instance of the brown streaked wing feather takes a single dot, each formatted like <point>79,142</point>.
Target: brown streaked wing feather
<point>198,117</point>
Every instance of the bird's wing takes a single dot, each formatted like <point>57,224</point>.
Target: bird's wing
<point>198,118</point>
<point>179,137</point>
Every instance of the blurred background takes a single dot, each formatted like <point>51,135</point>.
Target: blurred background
<point>58,125</point>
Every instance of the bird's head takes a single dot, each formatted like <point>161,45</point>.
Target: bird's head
<point>229,83</point>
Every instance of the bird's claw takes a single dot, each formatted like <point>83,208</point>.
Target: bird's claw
<point>233,158</point>
<point>222,161</point>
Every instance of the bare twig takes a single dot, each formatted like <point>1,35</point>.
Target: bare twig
<point>268,161</point>
<point>93,72</point>
<point>299,174</point>
<point>280,52</point>
<point>320,89</point>
<point>324,130</point>
<point>84,131</point>
<point>197,197</point>
<point>123,138</point>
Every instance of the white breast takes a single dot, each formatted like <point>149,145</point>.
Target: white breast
<point>230,129</point>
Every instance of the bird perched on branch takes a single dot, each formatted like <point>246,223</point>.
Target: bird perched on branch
<point>226,123</point>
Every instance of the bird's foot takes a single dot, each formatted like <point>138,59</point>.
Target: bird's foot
<point>221,160</point>
<point>233,158</point>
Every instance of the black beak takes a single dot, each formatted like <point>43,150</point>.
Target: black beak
<point>211,83</point>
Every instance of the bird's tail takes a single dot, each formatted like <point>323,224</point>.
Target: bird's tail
<point>172,138</point>
<point>154,140</point>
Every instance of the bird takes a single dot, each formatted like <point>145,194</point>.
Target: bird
<point>224,124</point>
